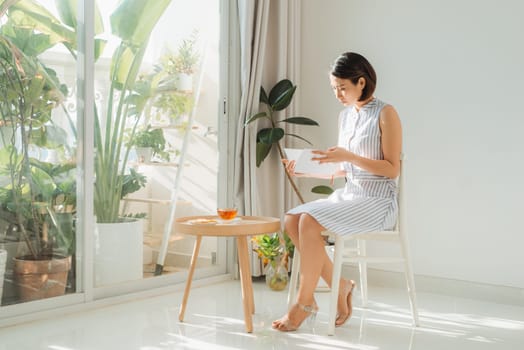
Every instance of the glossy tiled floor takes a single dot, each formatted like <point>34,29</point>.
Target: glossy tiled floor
<point>214,320</point>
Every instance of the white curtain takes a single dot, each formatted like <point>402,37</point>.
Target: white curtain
<point>269,35</point>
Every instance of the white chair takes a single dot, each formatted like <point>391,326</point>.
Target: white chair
<point>343,254</point>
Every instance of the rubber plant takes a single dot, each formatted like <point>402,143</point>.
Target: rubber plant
<point>279,98</point>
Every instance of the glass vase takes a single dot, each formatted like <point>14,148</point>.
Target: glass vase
<point>276,275</point>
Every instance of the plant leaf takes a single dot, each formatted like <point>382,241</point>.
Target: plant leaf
<point>281,95</point>
<point>35,16</point>
<point>68,13</point>
<point>262,152</point>
<point>134,20</point>
<point>300,137</point>
<point>255,117</point>
<point>300,120</point>
<point>263,96</point>
<point>280,88</point>
<point>270,135</point>
<point>322,189</point>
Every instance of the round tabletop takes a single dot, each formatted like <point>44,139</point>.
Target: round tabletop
<point>213,226</point>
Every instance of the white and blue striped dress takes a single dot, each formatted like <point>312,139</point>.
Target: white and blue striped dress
<point>367,201</point>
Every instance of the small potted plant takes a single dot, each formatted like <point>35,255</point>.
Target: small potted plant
<point>274,252</point>
<point>150,142</point>
<point>185,62</point>
<point>174,105</point>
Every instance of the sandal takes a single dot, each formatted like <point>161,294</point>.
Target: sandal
<point>341,319</point>
<point>285,324</point>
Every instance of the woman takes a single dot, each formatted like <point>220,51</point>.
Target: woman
<point>368,151</point>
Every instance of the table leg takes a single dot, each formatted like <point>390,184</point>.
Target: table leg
<point>245,281</point>
<point>194,257</point>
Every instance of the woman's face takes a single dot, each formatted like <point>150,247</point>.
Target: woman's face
<point>345,91</point>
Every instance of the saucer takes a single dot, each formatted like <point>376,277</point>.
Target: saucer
<point>203,222</point>
<point>227,222</point>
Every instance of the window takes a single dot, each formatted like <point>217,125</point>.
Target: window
<point>170,104</point>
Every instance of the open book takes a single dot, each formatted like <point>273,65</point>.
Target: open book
<point>304,164</point>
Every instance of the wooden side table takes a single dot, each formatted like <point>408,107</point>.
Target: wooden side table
<point>241,229</point>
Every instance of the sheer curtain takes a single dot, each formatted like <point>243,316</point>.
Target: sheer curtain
<point>269,48</point>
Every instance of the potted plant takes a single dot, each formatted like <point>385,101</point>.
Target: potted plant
<point>131,22</point>
<point>185,62</point>
<point>150,142</point>
<point>30,188</point>
<point>274,252</point>
<point>173,104</point>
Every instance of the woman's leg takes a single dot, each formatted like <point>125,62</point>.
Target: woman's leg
<point>291,224</point>
<point>314,256</point>
<point>311,245</point>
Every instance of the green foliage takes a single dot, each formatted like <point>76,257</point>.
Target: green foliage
<point>132,182</point>
<point>279,99</point>
<point>322,189</point>
<point>187,56</point>
<point>268,247</point>
<point>132,22</point>
<point>30,92</point>
<point>153,138</point>
<point>35,195</point>
<point>290,247</point>
<point>135,215</point>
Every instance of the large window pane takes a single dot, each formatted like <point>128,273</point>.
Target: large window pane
<point>157,138</point>
<point>173,99</point>
<point>37,155</point>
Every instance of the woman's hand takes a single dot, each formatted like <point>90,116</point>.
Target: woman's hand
<point>290,166</point>
<point>332,155</point>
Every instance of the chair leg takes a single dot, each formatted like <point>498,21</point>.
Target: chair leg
<point>335,283</point>
<point>410,283</point>
<point>363,270</point>
<point>293,281</point>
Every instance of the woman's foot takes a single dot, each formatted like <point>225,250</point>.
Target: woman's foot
<point>295,316</point>
<point>345,307</point>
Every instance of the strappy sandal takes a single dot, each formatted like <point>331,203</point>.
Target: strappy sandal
<point>285,325</point>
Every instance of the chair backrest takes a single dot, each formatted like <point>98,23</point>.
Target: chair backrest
<point>401,188</point>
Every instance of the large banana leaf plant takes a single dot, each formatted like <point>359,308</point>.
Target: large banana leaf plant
<point>132,23</point>
<point>279,98</point>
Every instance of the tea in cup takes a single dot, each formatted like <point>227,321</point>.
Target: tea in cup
<point>227,213</point>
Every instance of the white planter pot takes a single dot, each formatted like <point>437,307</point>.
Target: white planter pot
<point>3,263</point>
<point>118,252</point>
<point>144,154</point>
<point>185,82</point>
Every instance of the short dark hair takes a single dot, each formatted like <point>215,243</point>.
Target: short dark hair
<point>352,66</point>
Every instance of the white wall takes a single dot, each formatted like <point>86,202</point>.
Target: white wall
<point>454,71</point>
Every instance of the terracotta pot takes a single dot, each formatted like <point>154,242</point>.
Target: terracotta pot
<point>39,279</point>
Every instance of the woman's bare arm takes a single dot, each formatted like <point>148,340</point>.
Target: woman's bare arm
<point>391,140</point>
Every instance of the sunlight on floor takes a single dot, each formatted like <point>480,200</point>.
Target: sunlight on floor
<point>214,320</point>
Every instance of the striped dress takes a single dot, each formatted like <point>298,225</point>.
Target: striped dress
<point>367,201</point>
